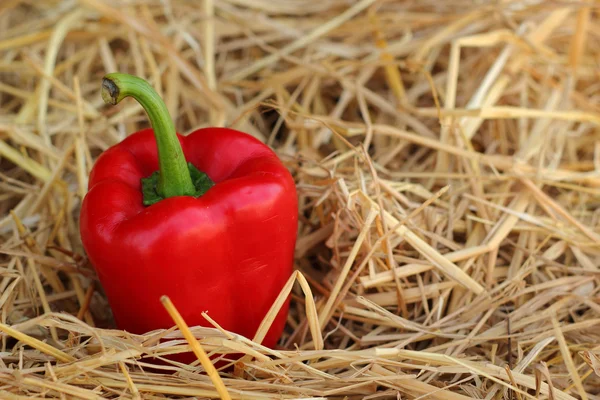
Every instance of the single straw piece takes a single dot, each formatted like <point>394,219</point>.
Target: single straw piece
<point>37,344</point>
<point>196,348</point>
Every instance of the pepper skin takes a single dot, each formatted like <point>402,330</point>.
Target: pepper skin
<point>228,252</point>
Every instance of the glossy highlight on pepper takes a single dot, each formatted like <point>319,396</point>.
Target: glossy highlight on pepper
<point>218,235</point>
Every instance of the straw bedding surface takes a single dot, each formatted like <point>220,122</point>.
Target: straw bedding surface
<point>447,157</point>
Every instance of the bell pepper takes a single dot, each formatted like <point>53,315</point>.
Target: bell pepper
<point>208,219</point>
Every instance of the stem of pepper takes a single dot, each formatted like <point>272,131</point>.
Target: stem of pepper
<point>174,176</point>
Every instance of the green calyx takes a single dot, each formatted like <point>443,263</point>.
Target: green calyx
<point>200,180</point>
<point>175,177</point>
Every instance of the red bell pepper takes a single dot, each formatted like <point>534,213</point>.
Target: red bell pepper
<point>208,219</point>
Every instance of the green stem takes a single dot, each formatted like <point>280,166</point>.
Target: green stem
<point>174,176</point>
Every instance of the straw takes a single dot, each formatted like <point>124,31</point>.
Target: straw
<point>196,348</point>
<point>447,166</point>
